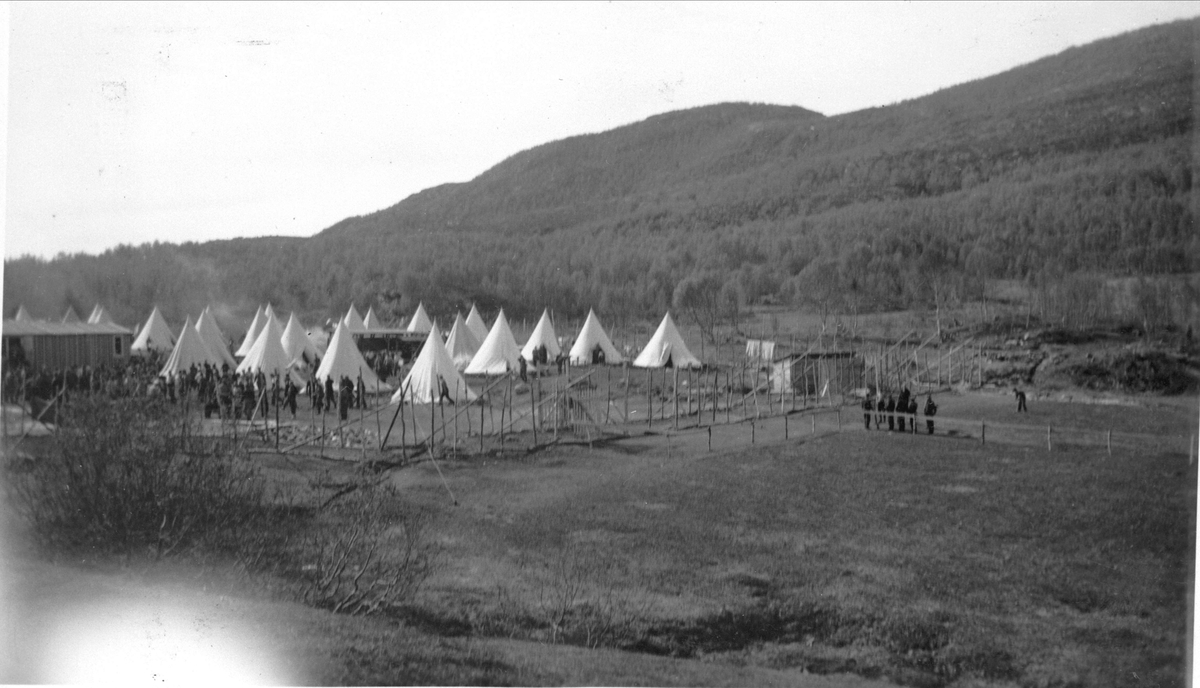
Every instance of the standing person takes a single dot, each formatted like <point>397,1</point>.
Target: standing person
<point>289,396</point>
<point>891,412</point>
<point>912,410</point>
<point>1021,401</point>
<point>879,408</point>
<point>868,406</point>
<point>902,408</point>
<point>930,412</point>
<point>361,390</point>
<point>345,396</point>
<point>523,369</point>
<point>330,397</point>
<point>444,391</point>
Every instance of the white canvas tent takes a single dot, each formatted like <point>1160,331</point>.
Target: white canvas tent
<point>22,314</point>
<point>190,349</point>
<point>206,327</point>
<point>666,349</point>
<point>354,321</point>
<point>422,385</point>
<point>420,321</point>
<point>476,323</point>
<point>342,358</point>
<point>100,316</point>
<point>155,335</point>
<point>268,355</point>
<point>462,344</point>
<point>296,343</point>
<point>592,335</point>
<point>256,326</point>
<point>498,353</point>
<point>543,335</point>
<point>372,321</point>
<point>71,316</point>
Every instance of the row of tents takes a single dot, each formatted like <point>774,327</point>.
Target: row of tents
<point>470,348</point>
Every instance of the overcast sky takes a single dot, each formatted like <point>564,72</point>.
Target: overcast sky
<point>130,123</point>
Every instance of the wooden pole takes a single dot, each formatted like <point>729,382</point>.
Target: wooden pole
<point>1049,446</point>
<point>813,417</point>
<point>404,426</point>
<point>676,396</point>
<point>608,393</point>
<point>1108,441</point>
<point>533,409</point>
<point>481,423</point>
<point>649,401</point>
<point>710,438</point>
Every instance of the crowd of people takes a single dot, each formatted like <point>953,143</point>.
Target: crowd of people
<point>219,391</point>
<point>898,411</point>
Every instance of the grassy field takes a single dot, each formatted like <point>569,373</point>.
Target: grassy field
<point>923,560</point>
<point>834,557</point>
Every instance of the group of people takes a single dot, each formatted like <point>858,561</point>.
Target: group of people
<point>897,412</point>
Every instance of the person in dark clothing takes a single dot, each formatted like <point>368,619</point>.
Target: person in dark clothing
<point>345,396</point>
<point>1021,401</point>
<point>330,397</point>
<point>902,408</point>
<point>930,411</point>
<point>289,396</point>
<point>868,406</point>
<point>524,377</point>
<point>444,390</point>
<point>912,411</point>
<point>880,407</point>
<point>891,412</point>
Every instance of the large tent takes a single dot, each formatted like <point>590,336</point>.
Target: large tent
<point>155,335</point>
<point>22,314</point>
<point>420,321</point>
<point>100,316</point>
<point>372,321</point>
<point>190,349</point>
<point>476,323</point>
<point>71,316</point>
<point>296,343</point>
<point>666,349</point>
<point>499,352</point>
<point>342,358</point>
<point>354,321</point>
<point>210,332</point>
<point>256,326</point>
<point>267,354</point>
<point>543,335</point>
<point>591,336</point>
<point>462,344</point>
<point>422,385</point>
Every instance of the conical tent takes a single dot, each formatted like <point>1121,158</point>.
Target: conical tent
<point>499,352</point>
<point>269,312</point>
<point>354,321</point>
<point>543,335</point>
<point>268,355</point>
<point>71,316</point>
<point>592,335</point>
<point>252,333</point>
<point>100,316</point>
<point>666,349</point>
<point>155,335</point>
<point>210,332</point>
<point>476,323</point>
<point>420,321</point>
<point>190,349</point>
<point>22,314</point>
<point>423,384</point>
<point>296,343</point>
<point>372,321</point>
<point>461,345</point>
<point>342,358</point>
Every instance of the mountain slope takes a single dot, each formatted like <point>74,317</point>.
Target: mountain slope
<point>1076,163</point>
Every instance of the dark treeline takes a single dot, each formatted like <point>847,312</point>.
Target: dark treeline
<point>1076,164</point>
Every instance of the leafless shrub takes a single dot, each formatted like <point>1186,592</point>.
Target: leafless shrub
<point>369,555</point>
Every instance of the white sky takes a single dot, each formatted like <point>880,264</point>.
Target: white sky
<point>130,123</point>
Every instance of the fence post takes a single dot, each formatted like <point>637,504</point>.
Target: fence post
<point>839,415</point>
<point>983,433</point>
<point>813,417</point>
<point>675,394</point>
<point>1109,442</point>
<point>751,432</point>
<point>785,426</point>
<point>710,438</point>
<point>1049,447</point>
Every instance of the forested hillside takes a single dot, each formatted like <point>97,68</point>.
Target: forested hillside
<point>1081,163</point>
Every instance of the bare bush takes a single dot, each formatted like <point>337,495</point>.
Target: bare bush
<point>579,599</point>
<point>369,554</point>
<point>116,477</point>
